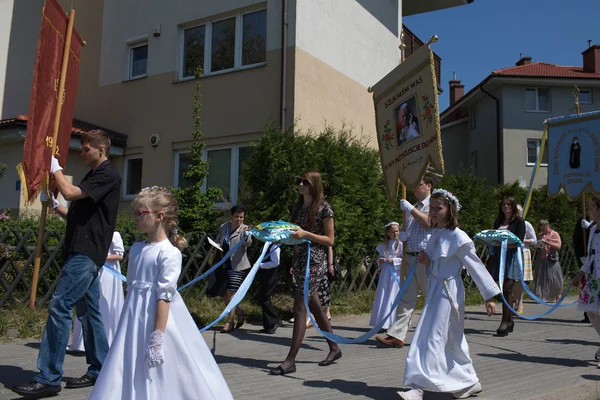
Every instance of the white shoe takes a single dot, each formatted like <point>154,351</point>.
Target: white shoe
<point>412,394</point>
<point>468,392</point>
<point>597,355</point>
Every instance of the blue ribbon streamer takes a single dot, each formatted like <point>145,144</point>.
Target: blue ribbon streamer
<point>241,292</point>
<point>341,339</point>
<point>394,272</point>
<point>501,281</point>
<point>115,273</point>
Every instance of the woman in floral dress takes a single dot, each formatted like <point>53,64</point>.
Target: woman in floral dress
<point>315,217</point>
<point>589,300</point>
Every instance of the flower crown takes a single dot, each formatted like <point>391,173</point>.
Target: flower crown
<point>448,196</point>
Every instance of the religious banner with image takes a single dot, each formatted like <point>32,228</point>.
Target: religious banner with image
<point>574,154</point>
<point>408,122</point>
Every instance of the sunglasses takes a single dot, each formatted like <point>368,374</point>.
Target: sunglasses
<point>304,182</point>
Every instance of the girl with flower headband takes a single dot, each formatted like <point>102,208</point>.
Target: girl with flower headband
<point>158,352</point>
<point>390,253</point>
<point>438,359</point>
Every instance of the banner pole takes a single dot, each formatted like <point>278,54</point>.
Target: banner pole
<point>404,266</point>
<point>576,92</point>
<point>60,100</point>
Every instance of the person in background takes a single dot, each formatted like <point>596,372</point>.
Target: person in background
<point>530,240</point>
<point>268,277</point>
<point>548,272</point>
<point>238,264</point>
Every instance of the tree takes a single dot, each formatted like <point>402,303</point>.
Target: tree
<point>197,212</point>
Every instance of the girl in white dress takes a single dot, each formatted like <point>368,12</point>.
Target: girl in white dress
<point>590,272</point>
<point>438,359</point>
<point>111,296</point>
<point>158,352</point>
<point>390,252</point>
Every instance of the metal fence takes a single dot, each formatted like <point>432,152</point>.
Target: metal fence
<point>16,270</point>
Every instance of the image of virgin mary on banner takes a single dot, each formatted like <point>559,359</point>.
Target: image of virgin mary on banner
<point>408,122</point>
<point>574,154</point>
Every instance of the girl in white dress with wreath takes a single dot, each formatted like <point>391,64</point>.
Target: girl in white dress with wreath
<point>111,296</point>
<point>589,295</point>
<point>390,252</point>
<point>438,359</point>
<point>158,352</point>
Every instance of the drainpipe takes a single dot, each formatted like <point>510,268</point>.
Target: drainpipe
<point>499,138</point>
<point>284,31</point>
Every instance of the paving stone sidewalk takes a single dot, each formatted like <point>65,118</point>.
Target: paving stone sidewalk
<point>550,358</point>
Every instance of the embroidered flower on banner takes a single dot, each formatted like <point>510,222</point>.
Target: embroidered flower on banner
<point>387,136</point>
<point>427,114</point>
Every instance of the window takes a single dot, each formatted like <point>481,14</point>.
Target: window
<point>473,117</point>
<point>585,96</point>
<point>193,49</point>
<point>219,172</point>
<point>533,151</point>
<point>537,100</point>
<point>474,163</point>
<point>254,38</point>
<point>133,176</point>
<point>228,44</point>
<point>182,163</point>
<point>138,60</point>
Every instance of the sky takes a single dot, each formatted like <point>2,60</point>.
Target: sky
<point>486,35</point>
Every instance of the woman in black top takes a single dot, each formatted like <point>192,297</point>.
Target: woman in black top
<point>508,219</point>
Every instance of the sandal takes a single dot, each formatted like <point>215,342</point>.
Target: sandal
<point>241,319</point>
<point>280,371</point>
<point>327,362</point>
<point>231,327</point>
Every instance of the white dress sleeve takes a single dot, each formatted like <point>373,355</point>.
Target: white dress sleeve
<point>117,245</point>
<point>169,268</point>
<point>482,278</point>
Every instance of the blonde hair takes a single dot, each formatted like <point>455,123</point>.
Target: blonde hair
<point>161,199</point>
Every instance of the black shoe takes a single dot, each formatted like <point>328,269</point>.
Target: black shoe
<point>327,362</point>
<point>585,320</point>
<point>280,371</point>
<point>269,331</point>
<point>36,389</point>
<point>241,318</point>
<point>82,382</point>
<point>511,327</point>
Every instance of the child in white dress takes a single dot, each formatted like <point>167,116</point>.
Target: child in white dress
<point>590,272</point>
<point>390,252</point>
<point>111,296</point>
<point>438,359</point>
<point>158,352</point>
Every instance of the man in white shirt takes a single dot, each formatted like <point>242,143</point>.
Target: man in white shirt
<point>268,276</point>
<point>415,239</point>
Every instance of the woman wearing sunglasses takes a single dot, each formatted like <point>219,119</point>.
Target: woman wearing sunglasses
<point>315,217</point>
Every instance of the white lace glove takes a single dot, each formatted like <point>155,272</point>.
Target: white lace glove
<point>54,165</point>
<point>44,197</point>
<point>585,224</point>
<point>406,206</point>
<point>402,236</point>
<point>154,351</point>
<point>582,259</point>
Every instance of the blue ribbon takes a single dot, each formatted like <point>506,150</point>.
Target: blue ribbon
<point>501,281</point>
<point>217,265</point>
<point>341,339</point>
<point>241,292</point>
<point>394,272</point>
<point>115,273</point>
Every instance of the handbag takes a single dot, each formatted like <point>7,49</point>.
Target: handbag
<point>337,272</point>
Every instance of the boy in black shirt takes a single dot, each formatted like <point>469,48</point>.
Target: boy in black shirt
<point>91,220</point>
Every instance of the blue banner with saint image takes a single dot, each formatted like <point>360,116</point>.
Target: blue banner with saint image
<point>574,154</point>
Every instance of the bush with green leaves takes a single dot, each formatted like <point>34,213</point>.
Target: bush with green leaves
<point>352,180</point>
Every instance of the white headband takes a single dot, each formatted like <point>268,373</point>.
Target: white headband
<point>449,196</point>
<point>391,223</point>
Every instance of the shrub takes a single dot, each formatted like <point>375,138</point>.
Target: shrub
<point>352,179</point>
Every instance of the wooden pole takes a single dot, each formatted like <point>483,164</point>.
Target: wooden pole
<point>60,100</point>
<point>404,230</point>
<point>584,230</point>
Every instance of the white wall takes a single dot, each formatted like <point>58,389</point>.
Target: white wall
<point>6,11</point>
<point>124,19</point>
<point>349,37</point>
